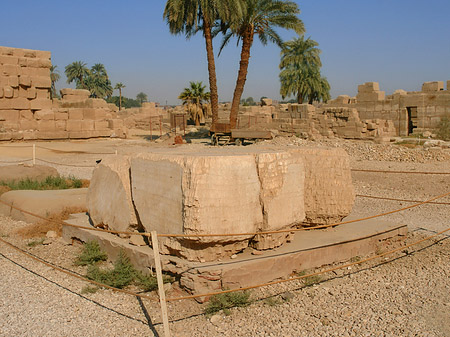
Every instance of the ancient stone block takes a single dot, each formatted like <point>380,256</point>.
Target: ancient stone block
<point>101,125</point>
<point>81,134</point>
<point>42,94</point>
<point>115,123</point>
<point>329,192</point>
<point>9,69</point>
<point>87,125</point>
<point>8,92</point>
<point>31,93</point>
<point>21,103</point>
<point>110,189</point>
<point>61,115</point>
<point>5,103</point>
<point>9,115</point>
<point>368,87</point>
<point>26,124</point>
<point>94,114</point>
<point>44,114</point>
<point>46,125</point>
<point>39,63</point>
<point>61,125</point>
<point>73,125</point>
<point>13,81</point>
<point>7,59</point>
<point>41,81</point>
<point>191,208</point>
<point>37,104</point>
<point>25,80</point>
<point>433,86</point>
<point>54,134</point>
<point>26,114</point>
<point>76,114</point>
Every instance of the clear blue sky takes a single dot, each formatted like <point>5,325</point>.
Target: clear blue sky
<point>399,43</point>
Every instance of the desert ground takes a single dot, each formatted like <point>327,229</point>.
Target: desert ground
<point>404,294</point>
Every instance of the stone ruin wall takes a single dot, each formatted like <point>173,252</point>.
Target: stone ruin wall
<point>371,114</point>
<point>28,113</point>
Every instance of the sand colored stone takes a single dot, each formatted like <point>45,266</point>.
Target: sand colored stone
<point>222,192</point>
<point>109,198</point>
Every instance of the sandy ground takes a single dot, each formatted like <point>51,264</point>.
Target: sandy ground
<point>404,295</point>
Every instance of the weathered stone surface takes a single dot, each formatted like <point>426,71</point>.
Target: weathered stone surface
<point>193,194</point>
<point>109,198</point>
<point>42,203</point>
<point>35,172</point>
<point>329,192</point>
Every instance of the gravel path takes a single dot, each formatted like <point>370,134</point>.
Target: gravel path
<point>404,295</point>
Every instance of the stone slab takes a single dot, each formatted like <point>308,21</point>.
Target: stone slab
<point>307,249</point>
<point>43,203</point>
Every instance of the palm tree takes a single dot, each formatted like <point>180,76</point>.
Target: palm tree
<point>98,82</point>
<point>259,17</point>
<point>141,97</point>
<point>54,77</point>
<point>77,71</point>
<point>119,86</point>
<point>193,97</point>
<point>300,71</point>
<point>190,16</point>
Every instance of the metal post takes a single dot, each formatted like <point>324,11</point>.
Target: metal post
<point>34,154</point>
<point>151,132</point>
<point>159,278</point>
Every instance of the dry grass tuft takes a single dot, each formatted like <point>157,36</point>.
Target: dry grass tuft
<point>41,228</point>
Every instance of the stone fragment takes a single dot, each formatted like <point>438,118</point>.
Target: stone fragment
<point>109,198</point>
<point>137,240</point>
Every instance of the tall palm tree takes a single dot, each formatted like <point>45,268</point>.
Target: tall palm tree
<point>190,16</point>
<point>98,82</point>
<point>141,97</point>
<point>193,97</point>
<point>54,77</point>
<point>300,71</point>
<point>119,86</point>
<point>77,71</point>
<point>259,17</point>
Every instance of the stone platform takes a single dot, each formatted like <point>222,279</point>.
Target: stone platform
<point>307,249</point>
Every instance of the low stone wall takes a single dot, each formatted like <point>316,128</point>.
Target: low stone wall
<point>27,112</point>
<point>223,192</point>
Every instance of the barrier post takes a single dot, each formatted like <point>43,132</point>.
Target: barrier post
<point>159,278</point>
<point>151,135</point>
<point>34,154</point>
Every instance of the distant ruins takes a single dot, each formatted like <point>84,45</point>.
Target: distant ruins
<point>28,113</point>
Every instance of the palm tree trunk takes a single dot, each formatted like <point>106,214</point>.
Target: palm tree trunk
<point>212,72</point>
<point>120,99</point>
<point>299,97</point>
<point>247,42</point>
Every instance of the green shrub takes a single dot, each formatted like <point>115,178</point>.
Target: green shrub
<point>149,282</point>
<point>226,301</point>
<point>50,183</point>
<point>35,243</point>
<point>120,276</point>
<point>91,254</point>
<point>443,129</point>
<point>89,290</point>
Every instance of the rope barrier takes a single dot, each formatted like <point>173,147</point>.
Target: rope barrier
<point>406,172</point>
<point>70,273</point>
<point>232,234</point>
<point>15,161</point>
<point>405,200</point>
<point>223,291</point>
<point>308,275</point>
<point>64,151</point>
<point>60,164</point>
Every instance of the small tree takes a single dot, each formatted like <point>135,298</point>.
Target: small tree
<point>54,77</point>
<point>119,86</point>
<point>193,97</point>
<point>141,97</point>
